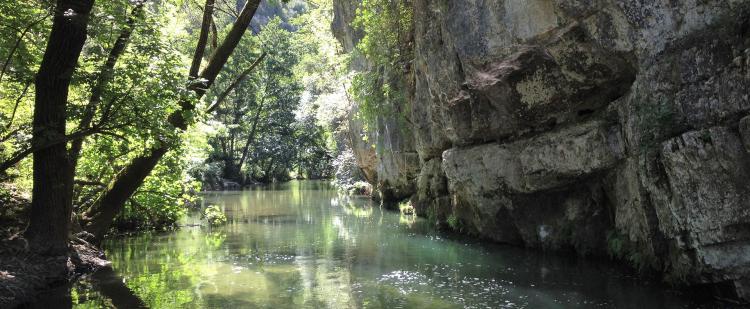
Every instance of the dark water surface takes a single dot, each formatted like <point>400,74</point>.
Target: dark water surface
<point>300,245</point>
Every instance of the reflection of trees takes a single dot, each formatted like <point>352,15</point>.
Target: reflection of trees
<point>111,286</point>
<point>354,209</point>
<point>317,256</point>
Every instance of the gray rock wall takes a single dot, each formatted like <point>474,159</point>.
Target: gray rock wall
<point>600,127</point>
<point>386,151</point>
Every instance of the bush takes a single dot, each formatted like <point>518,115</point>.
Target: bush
<point>454,223</point>
<point>214,215</point>
<point>406,208</point>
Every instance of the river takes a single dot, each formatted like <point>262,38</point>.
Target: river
<point>301,245</point>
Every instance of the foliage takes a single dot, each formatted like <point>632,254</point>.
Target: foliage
<point>454,223</point>
<point>24,28</point>
<point>148,81</point>
<point>325,101</point>
<point>347,173</point>
<point>361,188</point>
<point>214,215</point>
<point>432,215</point>
<point>387,46</point>
<point>406,208</point>
<point>259,134</point>
<point>621,247</point>
<point>285,10</point>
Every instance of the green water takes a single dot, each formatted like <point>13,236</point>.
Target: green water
<point>300,245</point>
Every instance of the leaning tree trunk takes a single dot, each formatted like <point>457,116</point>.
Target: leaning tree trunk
<point>200,49</point>
<point>51,204</point>
<point>119,191</point>
<point>101,215</point>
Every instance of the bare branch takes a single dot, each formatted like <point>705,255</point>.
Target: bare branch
<point>18,101</point>
<point>229,10</point>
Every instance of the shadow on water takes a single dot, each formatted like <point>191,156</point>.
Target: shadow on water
<point>301,245</point>
<point>110,290</point>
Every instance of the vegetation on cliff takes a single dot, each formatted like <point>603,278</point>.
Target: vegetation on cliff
<point>387,47</point>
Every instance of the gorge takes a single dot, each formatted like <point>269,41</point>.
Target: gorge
<point>375,153</point>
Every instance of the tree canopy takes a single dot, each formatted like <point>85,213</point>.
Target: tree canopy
<point>164,99</point>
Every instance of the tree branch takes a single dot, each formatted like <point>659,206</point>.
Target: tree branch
<point>208,11</point>
<point>234,84</point>
<point>22,154</point>
<point>18,42</point>
<point>18,101</point>
<point>216,62</point>
<point>89,183</point>
<point>105,77</point>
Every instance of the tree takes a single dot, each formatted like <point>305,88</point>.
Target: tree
<point>51,206</point>
<point>145,84</point>
<point>106,75</point>
<point>260,136</point>
<point>387,45</point>
<point>101,214</point>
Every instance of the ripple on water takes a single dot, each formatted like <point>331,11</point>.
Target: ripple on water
<point>442,284</point>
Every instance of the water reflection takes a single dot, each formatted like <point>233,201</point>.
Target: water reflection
<point>300,245</point>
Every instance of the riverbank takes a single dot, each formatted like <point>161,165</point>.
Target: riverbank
<point>24,274</point>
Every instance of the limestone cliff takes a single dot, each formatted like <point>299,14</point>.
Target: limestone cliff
<point>601,127</point>
<point>386,153</point>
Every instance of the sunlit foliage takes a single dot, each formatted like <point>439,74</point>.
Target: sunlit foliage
<point>387,46</point>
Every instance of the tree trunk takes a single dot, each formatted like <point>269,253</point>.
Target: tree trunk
<point>98,219</point>
<point>251,136</point>
<point>100,216</point>
<point>208,11</point>
<point>216,62</point>
<point>51,205</point>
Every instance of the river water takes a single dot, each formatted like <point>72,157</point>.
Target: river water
<point>301,245</point>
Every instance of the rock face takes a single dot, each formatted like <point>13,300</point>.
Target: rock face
<point>386,153</point>
<point>601,127</point>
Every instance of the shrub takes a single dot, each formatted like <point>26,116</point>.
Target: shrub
<point>406,208</point>
<point>214,215</point>
<point>454,222</point>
